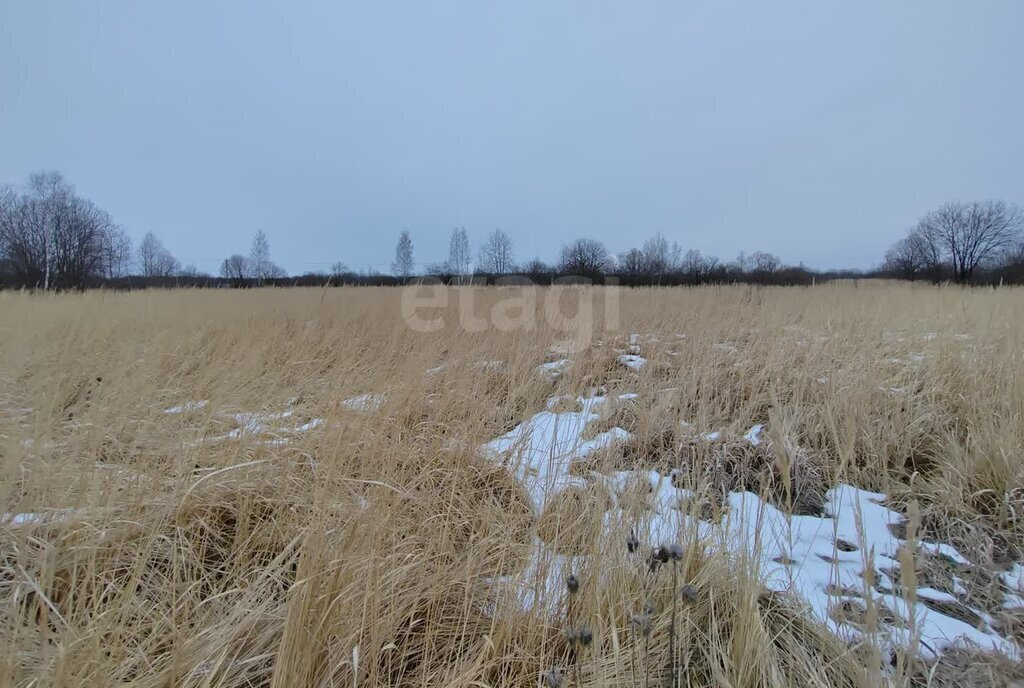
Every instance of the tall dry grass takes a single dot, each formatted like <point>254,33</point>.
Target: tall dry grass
<point>361,552</point>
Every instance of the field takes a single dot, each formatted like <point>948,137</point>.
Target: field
<point>349,487</point>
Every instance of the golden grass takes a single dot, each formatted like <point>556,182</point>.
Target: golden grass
<point>359,552</point>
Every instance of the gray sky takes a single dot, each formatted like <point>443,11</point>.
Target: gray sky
<point>815,130</point>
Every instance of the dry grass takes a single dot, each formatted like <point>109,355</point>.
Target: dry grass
<point>359,552</point>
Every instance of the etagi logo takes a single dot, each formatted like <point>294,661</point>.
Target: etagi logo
<point>571,307</point>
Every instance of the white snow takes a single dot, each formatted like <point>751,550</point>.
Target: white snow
<point>819,561</point>
<point>22,519</point>
<point>754,434</point>
<point>553,369</point>
<point>936,595</point>
<point>633,361</point>
<point>11,519</point>
<point>1014,578</point>
<point>311,425</point>
<point>538,452</point>
<point>365,402</point>
<point>188,406</point>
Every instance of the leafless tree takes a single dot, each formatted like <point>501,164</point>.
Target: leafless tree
<point>586,257</point>
<point>496,254</point>
<point>403,265</point>
<point>458,253</point>
<point>972,233</point>
<point>51,237</point>
<point>1015,253</point>
<point>261,267</point>
<point>632,264</point>
<point>154,260</point>
<point>438,268</point>
<point>117,253</point>
<point>236,269</point>
<point>657,257</point>
<point>698,267</point>
<point>916,255</point>
<point>537,267</point>
<point>764,264</point>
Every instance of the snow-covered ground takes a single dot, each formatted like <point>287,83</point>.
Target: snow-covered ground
<point>847,558</point>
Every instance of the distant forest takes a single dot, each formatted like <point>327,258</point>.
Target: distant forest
<point>52,238</point>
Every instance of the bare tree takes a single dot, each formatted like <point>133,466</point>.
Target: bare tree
<point>764,264</point>
<point>916,255</point>
<point>586,257</point>
<point>261,267</point>
<point>656,257</point>
<point>236,269</point>
<point>972,233</point>
<point>338,269</point>
<point>458,253</point>
<point>632,264</point>
<point>154,260</point>
<point>698,267</point>
<point>496,254</point>
<point>742,263</point>
<point>402,266</point>
<point>51,237</point>
<point>117,253</point>
<point>537,267</point>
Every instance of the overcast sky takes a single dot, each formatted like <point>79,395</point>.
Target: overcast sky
<point>816,130</point>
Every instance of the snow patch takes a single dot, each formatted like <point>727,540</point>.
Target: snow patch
<point>365,402</point>
<point>820,561</point>
<point>754,434</point>
<point>538,452</point>
<point>554,369</point>
<point>187,407</point>
<point>633,361</point>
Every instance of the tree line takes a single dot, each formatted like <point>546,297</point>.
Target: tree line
<point>655,262</point>
<point>981,242</point>
<point>52,238</point>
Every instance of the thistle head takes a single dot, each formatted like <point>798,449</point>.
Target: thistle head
<point>659,555</point>
<point>689,594</point>
<point>632,542</point>
<point>572,584</point>
<point>642,623</point>
<point>584,636</point>
<point>675,551</point>
<point>553,678</point>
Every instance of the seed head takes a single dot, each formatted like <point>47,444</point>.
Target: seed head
<point>649,606</point>
<point>675,551</point>
<point>570,635</point>
<point>584,636</point>
<point>689,594</point>
<point>642,623</point>
<point>659,555</point>
<point>553,678</point>
<point>572,584</point>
